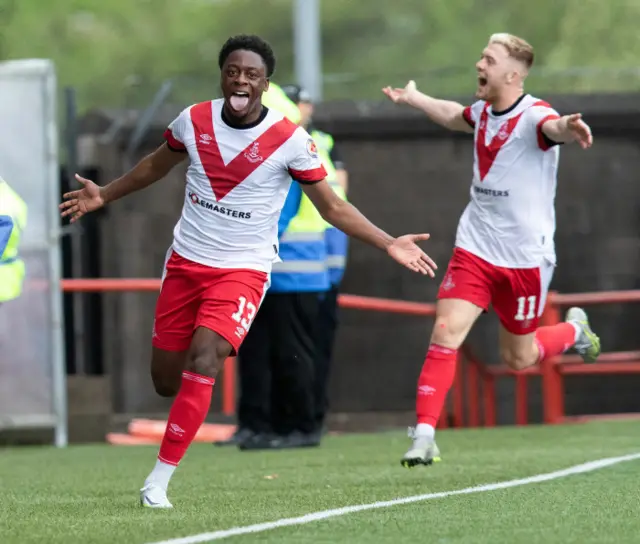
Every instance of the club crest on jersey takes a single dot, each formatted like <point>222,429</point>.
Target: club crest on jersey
<point>448,283</point>
<point>312,149</point>
<point>253,154</point>
<point>503,133</point>
<point>205,139</point>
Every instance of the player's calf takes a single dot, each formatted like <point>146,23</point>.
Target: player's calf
<point>522,351</point>
<point>519,352</point>
<point>206,356</point>
<point>166,371</point>
<point>454,318</point>
<point>519,360</point>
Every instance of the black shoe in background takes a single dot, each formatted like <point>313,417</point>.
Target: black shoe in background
<point>296,439</point>
<point>239,436</point>
<point>259,441</point>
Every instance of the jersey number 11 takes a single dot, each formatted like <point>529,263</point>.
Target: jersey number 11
<point>530,308</point>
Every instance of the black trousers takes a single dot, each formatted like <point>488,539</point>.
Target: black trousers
<point>326,334</point>
<point>276,365</point>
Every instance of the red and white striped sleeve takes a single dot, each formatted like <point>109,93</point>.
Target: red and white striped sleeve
<point>538,114</point>
<point>471,113</point>
<point>174,135</point>
<point>304,164</point>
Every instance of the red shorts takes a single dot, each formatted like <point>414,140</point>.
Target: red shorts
<point>518,295</point>
<point>224,300</point>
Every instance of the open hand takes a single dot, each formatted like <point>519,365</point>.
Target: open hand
<point>579,130</point>
<point>85,200</point>
<point>401,96</point>
<point>405,251</point>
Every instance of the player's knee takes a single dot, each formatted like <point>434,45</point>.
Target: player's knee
<point>203,362</point>
<point>445,333</point>
<point>516,360</point>
<point>207,358</point>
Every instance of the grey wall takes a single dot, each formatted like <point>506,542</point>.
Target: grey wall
<point>407,176</point>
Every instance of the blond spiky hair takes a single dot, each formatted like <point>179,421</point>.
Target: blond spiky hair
<point>518,48</point>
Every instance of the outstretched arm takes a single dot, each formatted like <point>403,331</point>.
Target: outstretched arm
<point>349,220</point>
<point>443,112</point>
<point>569,128</point>
<point>149,170</point>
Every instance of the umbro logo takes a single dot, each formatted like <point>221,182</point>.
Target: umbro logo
<point>426,390</point>
<point>176,429</point>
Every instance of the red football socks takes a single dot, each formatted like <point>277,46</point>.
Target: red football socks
<point>555,340</point>
<point>434,383</point>
<point>439,369</point>
<point>187,414</point>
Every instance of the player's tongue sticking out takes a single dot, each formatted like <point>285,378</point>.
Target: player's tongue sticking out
<point>239,101</point>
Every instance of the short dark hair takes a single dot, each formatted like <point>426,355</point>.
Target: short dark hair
<point>249,43</point>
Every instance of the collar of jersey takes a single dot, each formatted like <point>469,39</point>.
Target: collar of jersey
<point>231,124</point>
<point>510,108</point>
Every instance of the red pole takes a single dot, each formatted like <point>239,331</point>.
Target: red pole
<point>489,389</point>
<point>443,422</point>
<point>229,387</point>
<point>522,400</point>
<point>458,394</point>
<point>472,393</point>
<point>552,386</point>
<point>552,378</point>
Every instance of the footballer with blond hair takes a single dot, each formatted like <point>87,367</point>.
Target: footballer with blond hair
<point>504,253</point>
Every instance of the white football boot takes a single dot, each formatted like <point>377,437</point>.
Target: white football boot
<point>588,343</point>
<point>424,451</point>
<point>154,496</point>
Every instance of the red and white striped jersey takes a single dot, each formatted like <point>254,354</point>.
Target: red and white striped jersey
<point>510,220</point>
<point>237,182</point>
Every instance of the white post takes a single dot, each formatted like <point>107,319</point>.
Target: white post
<point>59,369</point>
<point>307,46</point>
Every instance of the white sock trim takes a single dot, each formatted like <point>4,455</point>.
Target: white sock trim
<point>161,474</point>
<point>424,430</point>
<point>578,329</point>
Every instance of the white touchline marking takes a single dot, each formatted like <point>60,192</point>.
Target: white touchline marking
<point>325,514</point>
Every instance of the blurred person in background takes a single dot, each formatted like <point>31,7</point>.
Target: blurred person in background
<point>285,360</point>
<point>243,157</point>
<point>337,243</point>
<point>6,226</point>
<point>504,252</point>
<point>278,358</point>
<point>13,220</point>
